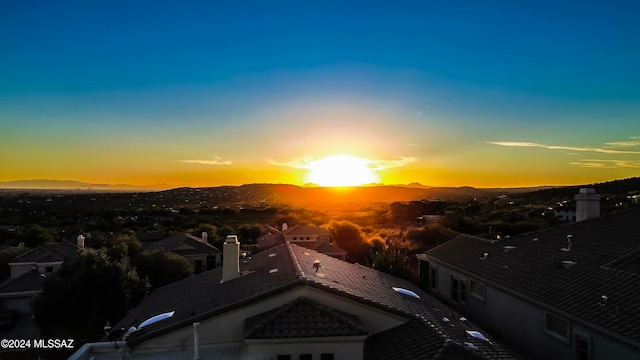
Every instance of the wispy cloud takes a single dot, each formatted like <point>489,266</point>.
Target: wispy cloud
<point>607,164</point>
<point>374,164</point>
<point>414,145</point>
<point>603,150</point>
<point>217,160</point>
<point>631,143</point>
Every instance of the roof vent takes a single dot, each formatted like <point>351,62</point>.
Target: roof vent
<point>275,270</point>
<point>507,248</point>
<point>567,263</point>
<point>604,300</point>
<point>568,248</point>
<point>484,256</point>
<point>406,292</point>
<point>316,265</point>
<point>445,319</point>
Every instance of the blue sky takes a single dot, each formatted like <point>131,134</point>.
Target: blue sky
<point>460,90</point>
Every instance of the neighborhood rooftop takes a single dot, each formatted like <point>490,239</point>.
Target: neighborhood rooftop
<point>586,271</point>
<point>435,328</point>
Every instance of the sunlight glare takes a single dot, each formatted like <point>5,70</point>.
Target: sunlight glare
<point>340,170</point>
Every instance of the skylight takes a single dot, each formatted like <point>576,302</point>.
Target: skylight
<point>406,292</point>
<point>273,271</point>
<point>155,319</point>
<point>477,335</point>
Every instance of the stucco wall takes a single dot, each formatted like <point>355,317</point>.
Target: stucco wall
<point>522,325</point>
<point>227,330</point>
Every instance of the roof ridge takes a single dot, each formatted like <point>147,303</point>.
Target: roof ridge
<point>296,263</point>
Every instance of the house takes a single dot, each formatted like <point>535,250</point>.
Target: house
<point>291,302</point>
<point>312,237</point>
<point>200,254</point>
<point>46,258</point>
<point>28,271</point>
<point>567,292</point>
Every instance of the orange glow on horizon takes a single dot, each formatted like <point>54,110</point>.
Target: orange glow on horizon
<point>340,170</point>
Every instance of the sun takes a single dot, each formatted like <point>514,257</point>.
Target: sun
<point>340,170</point>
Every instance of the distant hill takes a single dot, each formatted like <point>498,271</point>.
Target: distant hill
<point>71,185</point>
<point>615,187</point>
<point>298,195</point>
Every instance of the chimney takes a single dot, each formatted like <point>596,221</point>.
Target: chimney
<point>80,241</point>
<point>205,237</point>
<point>231,258</point>
<point>587,204</point>
<point>285,226</point>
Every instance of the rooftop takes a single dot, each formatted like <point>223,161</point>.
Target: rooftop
<point>48,253</point>
<point>580,270</point>
<point>203,296</point>
<point>183,244</point>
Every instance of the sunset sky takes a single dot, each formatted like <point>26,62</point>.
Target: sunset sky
<point>444,93</point>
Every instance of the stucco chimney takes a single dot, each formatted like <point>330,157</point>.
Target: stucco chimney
<point>80,241</point>
<point>205,237</point>
<point>587,204</point>
<point>231,258</point>
<point>285,226</point>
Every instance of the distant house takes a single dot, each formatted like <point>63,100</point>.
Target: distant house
<point>28,272</point>
<point>46,258</point>
<point>202,255</point>
<point>568,292</point>
<point>290,302</point>
<point>312,237</point>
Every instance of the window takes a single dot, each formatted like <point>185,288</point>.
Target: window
<point>454,289</point>
<point>306,357</point>
<point>295,238</point>
<point>476,289</point>
<point>433,277</point>
<point>326,356</point>
<point>284,357</point>
<point>48,269</point>
<point>458,290</point>
<point>557,327</point>
<point>582,348</point>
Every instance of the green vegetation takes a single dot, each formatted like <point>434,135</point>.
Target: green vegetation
<point>85,294</point>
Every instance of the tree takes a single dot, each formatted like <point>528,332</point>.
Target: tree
<point>248,234</point>
<point>35,235</point>
<point>349,237</point>
<point>211,230</point>
<point>85,294</point>
<point>127,240</point>
<point>162,268</point>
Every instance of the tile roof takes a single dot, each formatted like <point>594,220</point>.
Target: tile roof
<point>538,268</point>
<point>306,230</point>
<point>183,244</point>
<point>203,296</point>
<point>303,318</point>
<point>413,340</point>
<point>29,282</point>
<point>52,252</point>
